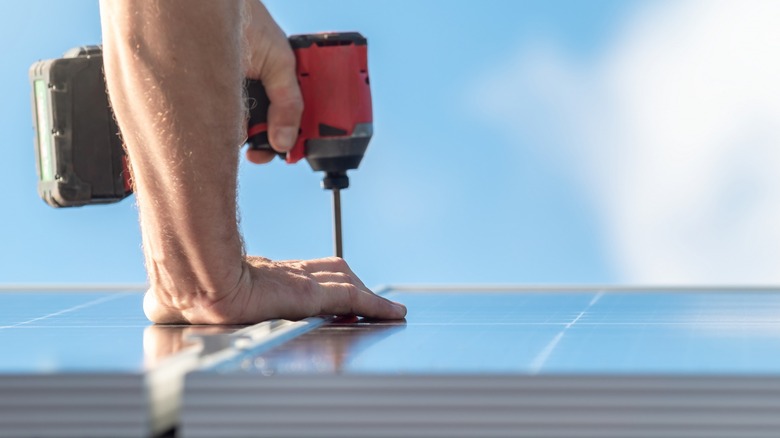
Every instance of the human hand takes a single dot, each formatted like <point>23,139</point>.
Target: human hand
<point>182,148</point>
<point>288,289</point>
<point>268,57</point>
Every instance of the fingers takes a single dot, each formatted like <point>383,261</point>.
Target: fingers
<point>271,59</point>
<point>297,289</point>
<point>332,264</point>
<point>284,113</point>
<point>344,293</point>
<point>348,299</point>
<point>259,157</point>
<point>333,277</point>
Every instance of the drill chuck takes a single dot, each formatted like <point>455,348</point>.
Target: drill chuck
<point>335,181</point>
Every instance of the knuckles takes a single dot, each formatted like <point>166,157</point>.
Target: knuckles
<point>337,264</point>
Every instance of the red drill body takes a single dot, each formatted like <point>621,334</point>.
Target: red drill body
<point>337,121</point>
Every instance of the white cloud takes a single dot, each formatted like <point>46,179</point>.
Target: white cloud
<point>674,129</point>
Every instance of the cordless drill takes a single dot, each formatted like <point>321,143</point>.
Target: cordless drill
<point>81,160</point>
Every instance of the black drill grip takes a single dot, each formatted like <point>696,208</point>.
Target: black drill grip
<point>257,128</point>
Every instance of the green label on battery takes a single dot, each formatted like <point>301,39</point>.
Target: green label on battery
<point>45,155</point>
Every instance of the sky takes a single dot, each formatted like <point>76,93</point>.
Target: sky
<point>515,142</point>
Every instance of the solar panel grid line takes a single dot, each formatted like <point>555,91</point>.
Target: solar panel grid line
<point>64,311</point>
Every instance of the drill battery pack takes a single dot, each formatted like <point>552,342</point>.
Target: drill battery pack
<point>78,151</point>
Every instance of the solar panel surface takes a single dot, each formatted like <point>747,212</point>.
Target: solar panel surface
<point>71,332</point>
<point>555,362</point>
<point>733,332</point>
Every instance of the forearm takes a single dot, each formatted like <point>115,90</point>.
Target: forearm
<point>173,71</point>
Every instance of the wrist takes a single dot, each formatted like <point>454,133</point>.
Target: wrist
<point>188,263</point>
<point>198,299</point>
<point>174,304</point>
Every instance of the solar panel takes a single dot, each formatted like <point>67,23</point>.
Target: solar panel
<point>511,361</point>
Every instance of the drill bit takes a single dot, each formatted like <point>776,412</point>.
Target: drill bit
<point>335,181</point>
<point>337,222</point>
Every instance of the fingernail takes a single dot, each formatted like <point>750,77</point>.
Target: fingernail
<point>285,138</point>
<point>400,307</point>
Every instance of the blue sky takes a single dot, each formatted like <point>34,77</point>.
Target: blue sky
<point>513,144</point>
